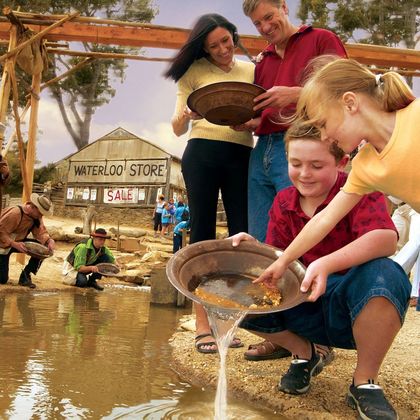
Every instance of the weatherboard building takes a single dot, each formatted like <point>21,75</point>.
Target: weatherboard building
<point>118,173</point>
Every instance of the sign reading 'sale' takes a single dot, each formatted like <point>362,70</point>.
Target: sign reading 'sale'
<point>122,171</point>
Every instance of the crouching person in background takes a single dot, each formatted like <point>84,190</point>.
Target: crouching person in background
<point>80,268</point>
<point>179,228</point>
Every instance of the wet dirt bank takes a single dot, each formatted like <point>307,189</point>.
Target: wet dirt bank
<point>256,382</point>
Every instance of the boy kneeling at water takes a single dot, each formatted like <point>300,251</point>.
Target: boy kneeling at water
<point>367,295</point>
<point>80,268</point>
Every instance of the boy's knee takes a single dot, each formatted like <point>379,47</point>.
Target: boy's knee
<point>381,309</point>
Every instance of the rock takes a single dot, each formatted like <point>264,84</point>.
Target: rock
<point>188,325</point>
<point>74,238</point>
<point>133,276</point>
<point>127,259</point>
<point>131,245</point>
<point>131,233</point>
<point>56,233</point>
<point>155,256</point>
<point>162,291</point>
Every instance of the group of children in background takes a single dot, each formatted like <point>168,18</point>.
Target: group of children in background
<point>171,213</point>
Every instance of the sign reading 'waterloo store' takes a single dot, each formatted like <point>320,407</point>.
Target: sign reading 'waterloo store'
<point>150,170</point>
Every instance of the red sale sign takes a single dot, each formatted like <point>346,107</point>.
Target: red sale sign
<point>120,195</point>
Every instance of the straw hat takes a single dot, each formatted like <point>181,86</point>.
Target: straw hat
<point>43,203</point>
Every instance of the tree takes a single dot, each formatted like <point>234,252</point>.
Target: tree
<point>394,23</point>
<point>79,95</point>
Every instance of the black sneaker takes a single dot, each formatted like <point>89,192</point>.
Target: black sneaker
<point>370,402</point>
<point>95,285</point>
<point>26,281</point>
<point>297,380</point>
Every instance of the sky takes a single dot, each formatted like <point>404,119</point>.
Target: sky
<point>144,102</point>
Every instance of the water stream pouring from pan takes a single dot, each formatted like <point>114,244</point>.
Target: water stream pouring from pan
<point>219,276</point>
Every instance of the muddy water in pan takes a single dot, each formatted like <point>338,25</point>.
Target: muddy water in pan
<point>96,355</point>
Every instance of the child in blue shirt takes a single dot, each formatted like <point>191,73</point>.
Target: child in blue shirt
<point>179,228</point>
<point>166,219</point>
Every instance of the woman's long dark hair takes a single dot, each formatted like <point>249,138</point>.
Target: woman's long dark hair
<point>193,49</point>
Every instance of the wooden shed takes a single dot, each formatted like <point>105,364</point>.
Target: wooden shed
<point>119,170</point>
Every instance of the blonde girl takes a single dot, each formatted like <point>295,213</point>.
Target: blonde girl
<point>348,103</point>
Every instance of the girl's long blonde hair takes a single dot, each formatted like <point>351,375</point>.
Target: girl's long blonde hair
<point>328,84</point>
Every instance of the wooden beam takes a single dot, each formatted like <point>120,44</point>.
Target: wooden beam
<point>152,36</point>
<point>384,56</point>
<point>67,73</point>
<point>103,55</point>
<point>38,35</point>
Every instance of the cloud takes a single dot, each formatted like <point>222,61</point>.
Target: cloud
<point>163,136</point>
<point>53,140</point>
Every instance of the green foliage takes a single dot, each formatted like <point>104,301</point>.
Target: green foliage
<point>41,175</point>
<point>15,187</point>
<point>388,22</point>
<point>45,173</point>
<point>80,94</point>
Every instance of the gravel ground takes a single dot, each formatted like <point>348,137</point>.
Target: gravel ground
<point>256,381</point>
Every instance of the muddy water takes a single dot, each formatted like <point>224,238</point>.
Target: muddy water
<point>95,355</point>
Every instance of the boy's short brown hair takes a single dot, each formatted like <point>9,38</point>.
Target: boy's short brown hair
<point>301,131</point>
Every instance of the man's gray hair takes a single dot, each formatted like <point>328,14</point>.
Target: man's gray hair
<point>248,6</point>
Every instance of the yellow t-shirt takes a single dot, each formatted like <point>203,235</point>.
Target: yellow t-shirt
<point>202,73</point>
<point>396,170</point>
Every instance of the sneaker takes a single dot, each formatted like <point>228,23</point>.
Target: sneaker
<point>297,380</point>
<point>26,281</point>
<point>370,402</point>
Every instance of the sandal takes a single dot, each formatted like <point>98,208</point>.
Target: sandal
<point>265,350</point>
<point>201,347</point>
<point>327,353</point>
<point>236,343</point>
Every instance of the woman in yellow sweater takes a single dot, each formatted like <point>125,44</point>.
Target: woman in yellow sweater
<point>216,157</point>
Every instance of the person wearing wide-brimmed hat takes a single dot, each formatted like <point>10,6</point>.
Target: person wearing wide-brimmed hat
<point>16,223</point>
<point>80,268</point>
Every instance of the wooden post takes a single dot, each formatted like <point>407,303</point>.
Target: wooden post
<point>118,235</point>
<point>5,86</point>
<point>33,128</point>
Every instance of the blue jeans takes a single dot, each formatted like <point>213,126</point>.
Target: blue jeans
<point>330,319</point>
<point>267,176</point>
<point>84,279</point>
<point>177,243</point>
